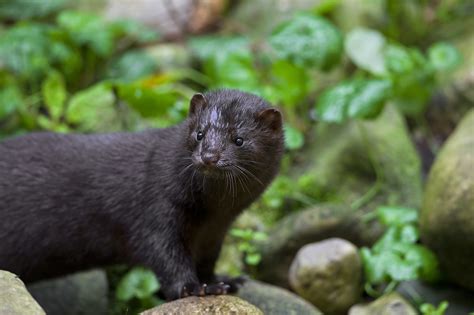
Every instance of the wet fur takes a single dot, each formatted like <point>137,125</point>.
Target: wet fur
<point>73,202</point>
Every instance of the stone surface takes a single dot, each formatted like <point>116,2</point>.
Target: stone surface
<point>275,300</point>
<point>447,215</point>
<point>312,225</point>
<point>460,301</point>
<point>78,294</point>
<point>328,274</point>
<point>14,298</point>
<point>392,304</point>
<point>222,304</point>
<point>344,158</point>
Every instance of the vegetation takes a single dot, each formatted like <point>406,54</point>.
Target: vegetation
<point>72,71</point>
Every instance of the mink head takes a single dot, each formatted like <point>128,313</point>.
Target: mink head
<point>233,131</point>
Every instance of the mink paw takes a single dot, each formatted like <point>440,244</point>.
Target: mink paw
<point>194,289</point>
<point>234,283</point>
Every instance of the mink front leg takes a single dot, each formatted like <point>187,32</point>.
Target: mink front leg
<point>161,249</point>
<point>159,245</point>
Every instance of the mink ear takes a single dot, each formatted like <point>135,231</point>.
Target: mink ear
<point>271,118</point>
<point>198,101</point>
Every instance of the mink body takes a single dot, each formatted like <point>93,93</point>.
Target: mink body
<point>162,198</point>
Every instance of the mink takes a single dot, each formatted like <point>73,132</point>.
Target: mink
<point>161,198</point>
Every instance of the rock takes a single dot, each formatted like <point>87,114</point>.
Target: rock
<point>78,294</point>
<point>221,304</point>
<point>391,304</point>
<point>328,274</point>
<point>344,159</point>
<point>274,300</point>
<point>14,298</point>
<point>447,215</point>
<point>312,225</point>
<point>460,301</point>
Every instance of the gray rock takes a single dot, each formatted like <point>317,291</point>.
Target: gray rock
<point>79,294</point>
<point>274,300</point>
<point>460,301</point>
<point>14,298</point>
<point>222,304</point>
<point>447,215</point>
<point>391,304</point>
<point>328,274</point>
<point>312,225</point>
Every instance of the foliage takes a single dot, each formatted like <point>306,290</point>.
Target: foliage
<point>402,75</point>
<point>396,256</point>
<point>136,291</point>
<point>308,41</point>
<point>429,309</point>
<point>75,74</point>
<point>246,239</point>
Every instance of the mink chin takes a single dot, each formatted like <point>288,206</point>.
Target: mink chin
<point>161,198</point>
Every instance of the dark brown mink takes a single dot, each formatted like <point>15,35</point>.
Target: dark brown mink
<point>161,198</point>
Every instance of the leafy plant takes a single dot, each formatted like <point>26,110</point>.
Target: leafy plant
<point>430,309</point>
<point>397,73</point>
<point>396,256</point>
<point>245,239</point>
<point>136,291</point>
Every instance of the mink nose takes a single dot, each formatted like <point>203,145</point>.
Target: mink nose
<point>210,158</point>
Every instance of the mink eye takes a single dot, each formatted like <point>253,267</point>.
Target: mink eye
<point>199,136</point>
<point>239,141</point>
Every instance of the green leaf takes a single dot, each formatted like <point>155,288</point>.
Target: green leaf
<point>397,216</point>
<point>11,97</point>
<point>23,50</point>
<point>92,109</point>
<point>398,59</point>
<point>54,94</point>
<point>253,259</point>
<point>365,47</point>
<point>27,9</point>
<point>409,234</point>
<point>375,265</point>
<point>290,83</point>
<point>234,70</point>
<point>131,66</point>
<point>259,236</point>
<point>430,309</point>
<point>88,29</point>
<point>294,139</point>
<point>134,30</point>
<point>369,99</point>
<point>239,233</point>
<point>308,41</point>
<point>148,99</point>
<point>138,283</point>
<point>357,98</point>
<point>207,47</point>
<point>444,56</point>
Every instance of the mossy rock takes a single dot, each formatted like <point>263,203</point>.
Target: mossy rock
<point>447,216</point>
<point>14,298</point>
<point>391,304</point>
<point>222,304</point>
<point>346,160</point>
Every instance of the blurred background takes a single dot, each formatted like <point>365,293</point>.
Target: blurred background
<point>377,97</point>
